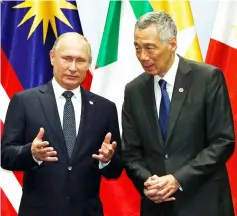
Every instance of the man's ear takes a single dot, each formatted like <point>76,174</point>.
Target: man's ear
<point>173,44</point>
<point>51,54</point>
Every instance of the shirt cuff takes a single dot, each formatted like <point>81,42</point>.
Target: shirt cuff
<point>37,161</point>
<point>103,165</point>
<point>180,188</point>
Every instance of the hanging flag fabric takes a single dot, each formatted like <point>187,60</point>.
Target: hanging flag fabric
<point>222,52</point>
<point>28,31</point>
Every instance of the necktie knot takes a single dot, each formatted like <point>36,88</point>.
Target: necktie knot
<point>162,84</point>
<point>68,94</point>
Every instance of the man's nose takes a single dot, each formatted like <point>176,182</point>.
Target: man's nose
<point>143,56</point>
<point>73,66</point>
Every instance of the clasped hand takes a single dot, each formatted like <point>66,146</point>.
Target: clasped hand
<point>161,189</point>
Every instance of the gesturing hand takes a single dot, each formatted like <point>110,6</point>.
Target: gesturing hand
<point>39,149</point>
<point>106,150</point>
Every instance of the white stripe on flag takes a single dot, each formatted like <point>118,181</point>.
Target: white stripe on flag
<point>4,103</point>
<point>11,188</point>
<point>185,39</point>
<point>225,26</point>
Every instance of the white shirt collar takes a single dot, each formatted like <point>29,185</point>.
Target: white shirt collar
<point>171,73</point>
<point>58,90</point>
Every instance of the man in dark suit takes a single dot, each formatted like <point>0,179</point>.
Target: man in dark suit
<point>177,128</point>
<point>54,133</point>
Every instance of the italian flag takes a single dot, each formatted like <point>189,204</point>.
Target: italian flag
<point>110,32</point>
<point>117,65</point>
<point>222,52</point>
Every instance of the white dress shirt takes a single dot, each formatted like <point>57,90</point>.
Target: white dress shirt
<point>61,100</point>
<point>170,79</point>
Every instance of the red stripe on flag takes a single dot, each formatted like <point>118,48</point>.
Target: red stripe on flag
<point>115,192</point>
<point>19,177</point>
<point>6,207</point>
<point>224,57</point>
<point>9,79</point>
<point>87,81</point>
<point>1,125</point>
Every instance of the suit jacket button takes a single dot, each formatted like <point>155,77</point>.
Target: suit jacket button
<point>167,157</point>
<point>69,168</point>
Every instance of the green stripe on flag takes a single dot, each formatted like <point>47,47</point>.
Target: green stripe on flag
<point>108,52</point>
<point>140,7</point>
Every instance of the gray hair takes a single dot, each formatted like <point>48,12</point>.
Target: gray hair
<point>165,25</point>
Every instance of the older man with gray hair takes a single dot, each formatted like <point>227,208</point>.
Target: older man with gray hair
<point>177,127</point>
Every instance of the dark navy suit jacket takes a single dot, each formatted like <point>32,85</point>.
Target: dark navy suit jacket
<point>69,186</point>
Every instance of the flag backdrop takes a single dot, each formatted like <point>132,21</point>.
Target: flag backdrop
<point>28,31</point>
<point>222,52</point>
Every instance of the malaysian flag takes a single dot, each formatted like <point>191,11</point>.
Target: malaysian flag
<point>28,29</point>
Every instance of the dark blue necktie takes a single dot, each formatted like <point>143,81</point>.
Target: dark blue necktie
<point>164,109</point>
<point>69,123</point>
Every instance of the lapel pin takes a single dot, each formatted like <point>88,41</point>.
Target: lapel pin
<point>181,89</point>
<point>91,102</point>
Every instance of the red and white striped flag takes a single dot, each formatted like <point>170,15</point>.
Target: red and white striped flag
<point>222,52</point>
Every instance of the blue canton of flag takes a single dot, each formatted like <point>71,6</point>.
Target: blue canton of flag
<point>29,29</point>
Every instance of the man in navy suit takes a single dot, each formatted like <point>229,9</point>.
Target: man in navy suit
<point>63,137</point>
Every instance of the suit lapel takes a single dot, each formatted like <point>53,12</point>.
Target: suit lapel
<point>48,103</point>
<point>181,87</point>
<point>87,110</point>
<point>150,108</point>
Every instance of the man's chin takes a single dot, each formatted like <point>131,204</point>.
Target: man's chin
<point>72,84</point>
<point>151,72</point>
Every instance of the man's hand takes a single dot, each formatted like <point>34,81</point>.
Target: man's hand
<point>40,151</point>
<point>106,150</point>
<point>160,189</point>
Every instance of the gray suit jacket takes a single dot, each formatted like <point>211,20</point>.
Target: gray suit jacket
<point>200,140</point>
